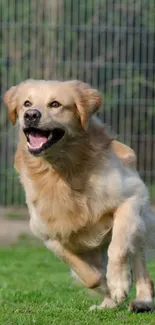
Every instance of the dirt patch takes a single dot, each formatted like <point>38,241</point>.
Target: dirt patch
<point>12,228</point>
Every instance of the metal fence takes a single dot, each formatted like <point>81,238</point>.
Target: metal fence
<point>108,43</point>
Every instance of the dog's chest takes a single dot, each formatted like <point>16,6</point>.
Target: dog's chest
<point>58,211</point>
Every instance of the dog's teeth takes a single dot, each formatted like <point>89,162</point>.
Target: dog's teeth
<point>29,145</point>
<point>50,136</point>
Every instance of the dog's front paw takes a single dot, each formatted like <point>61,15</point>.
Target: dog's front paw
<point>107,303</point>
<point>119,280</point>
<point>141,306</point>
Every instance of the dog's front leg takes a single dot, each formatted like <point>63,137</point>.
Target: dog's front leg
<point>90,276</point>
<point>128,228</point>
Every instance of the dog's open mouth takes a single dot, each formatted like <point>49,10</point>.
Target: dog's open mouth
<point>40,140</point>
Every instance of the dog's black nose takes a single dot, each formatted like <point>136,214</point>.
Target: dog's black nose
<point>32,116</point>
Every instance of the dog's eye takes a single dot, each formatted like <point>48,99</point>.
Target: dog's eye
<point>27,103</point>
<point>54,104</point>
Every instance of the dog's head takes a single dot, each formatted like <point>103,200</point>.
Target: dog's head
<point>49,110</point>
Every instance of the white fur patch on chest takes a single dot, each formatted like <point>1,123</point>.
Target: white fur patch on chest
<point>38,227</point>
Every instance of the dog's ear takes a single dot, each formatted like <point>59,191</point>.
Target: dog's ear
<point>10,101</point>
<point>87,99</point>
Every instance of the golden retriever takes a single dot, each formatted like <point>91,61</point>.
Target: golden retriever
<point>85,197</point>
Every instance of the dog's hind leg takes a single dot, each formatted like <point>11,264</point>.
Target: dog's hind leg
<point>144,284</point>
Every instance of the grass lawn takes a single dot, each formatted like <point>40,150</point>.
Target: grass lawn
<point>36,288</point>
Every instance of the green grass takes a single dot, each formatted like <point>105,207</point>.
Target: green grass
<point>15,216</point>
<point>36,288</point>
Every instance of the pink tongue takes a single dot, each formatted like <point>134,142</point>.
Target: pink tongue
<point>37,141</point>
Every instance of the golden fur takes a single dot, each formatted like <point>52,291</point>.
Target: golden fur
<point>84,195</point>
